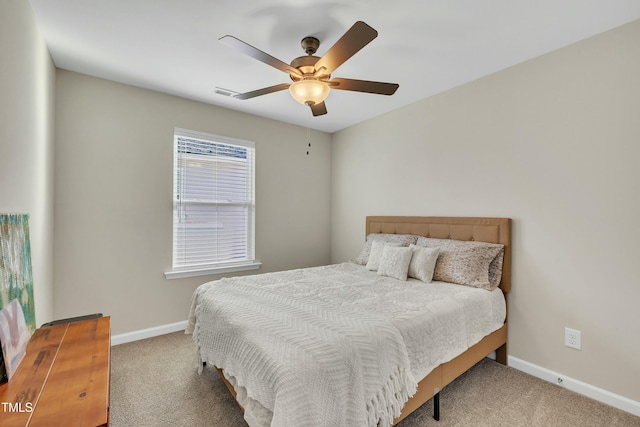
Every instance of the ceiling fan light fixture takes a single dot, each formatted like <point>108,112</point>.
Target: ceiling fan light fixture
<point>311,75</point>
<point>309,91</point>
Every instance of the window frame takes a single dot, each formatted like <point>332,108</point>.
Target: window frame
<point>178,201</point>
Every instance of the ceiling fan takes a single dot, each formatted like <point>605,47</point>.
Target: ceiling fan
<point>311,74</point>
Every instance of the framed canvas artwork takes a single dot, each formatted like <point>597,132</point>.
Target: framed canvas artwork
<point>17,308</point>
<point>16,281</point>
<point>14,336</point>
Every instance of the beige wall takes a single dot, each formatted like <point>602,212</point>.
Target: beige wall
<point>553,143</point>
<point>113,189</point>
<point>27,83</point>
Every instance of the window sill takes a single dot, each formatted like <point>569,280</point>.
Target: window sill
<point>180,274</point>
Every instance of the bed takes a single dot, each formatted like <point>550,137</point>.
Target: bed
<point>314,346</point>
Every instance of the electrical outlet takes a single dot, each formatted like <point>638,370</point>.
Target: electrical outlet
<point>573,338</point>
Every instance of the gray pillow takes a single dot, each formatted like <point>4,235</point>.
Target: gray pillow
<point>403,239</point>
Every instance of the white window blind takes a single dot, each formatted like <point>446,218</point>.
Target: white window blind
<point>213,201</point>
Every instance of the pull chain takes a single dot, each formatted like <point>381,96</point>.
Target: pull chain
<point>308,136</point>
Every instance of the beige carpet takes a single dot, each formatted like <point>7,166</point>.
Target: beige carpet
<point>154,383</point>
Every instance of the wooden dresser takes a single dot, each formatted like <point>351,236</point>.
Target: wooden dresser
<point>64,378</point>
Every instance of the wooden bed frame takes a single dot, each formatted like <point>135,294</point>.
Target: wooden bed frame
<point>492,230</point>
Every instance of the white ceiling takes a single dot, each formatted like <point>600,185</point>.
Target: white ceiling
<point>427,46</point>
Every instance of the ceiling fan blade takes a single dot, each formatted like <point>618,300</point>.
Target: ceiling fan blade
<point>319,109</point>
<point>263,91</point>
<point>255,53</point>
<point>379,88</point>
<point>356,37</point>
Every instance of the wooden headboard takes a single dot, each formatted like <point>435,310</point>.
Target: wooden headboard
<point>492,230</point>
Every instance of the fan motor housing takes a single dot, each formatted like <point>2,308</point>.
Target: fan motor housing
<point>306,64</point>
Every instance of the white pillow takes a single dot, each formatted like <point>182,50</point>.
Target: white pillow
<point>395,262</point>
<point>423,263</point>
<point>377,247</point>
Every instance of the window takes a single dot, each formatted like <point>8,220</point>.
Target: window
<point>213,204</point>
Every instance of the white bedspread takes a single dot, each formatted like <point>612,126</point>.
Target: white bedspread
<point>335,345</point>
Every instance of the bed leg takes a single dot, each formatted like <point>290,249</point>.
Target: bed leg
<point>501,354</point>
<point>436,405</point>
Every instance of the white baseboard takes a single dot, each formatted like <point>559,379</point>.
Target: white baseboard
<point>579,387</point>
<point>148,333</point>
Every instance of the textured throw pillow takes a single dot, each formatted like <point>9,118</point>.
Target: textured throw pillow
<point>377,248</point>
<point>471,263</point>
<point>395,262</point>
<point>403,239</point>
<point>495,269</point>
<point>423,263</point>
